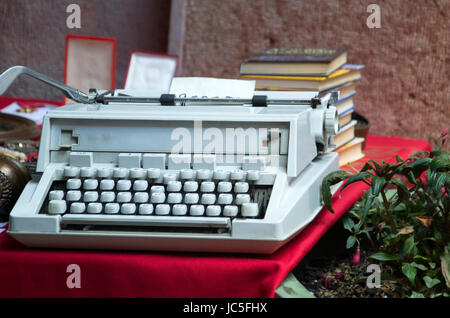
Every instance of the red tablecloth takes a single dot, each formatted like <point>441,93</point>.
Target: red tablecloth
<point>42,273</point>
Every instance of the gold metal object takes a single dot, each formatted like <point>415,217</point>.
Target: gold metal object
<point>13,178</point>
<point>26,109</point>
<point>14,127</point>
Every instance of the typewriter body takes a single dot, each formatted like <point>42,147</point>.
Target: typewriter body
<point>127,173</point>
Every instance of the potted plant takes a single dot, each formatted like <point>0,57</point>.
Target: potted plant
<point>405,215</point>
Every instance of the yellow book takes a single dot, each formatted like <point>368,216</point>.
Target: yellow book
<point>350,152</point>
<point>320,83</point>
<point>336,73</point>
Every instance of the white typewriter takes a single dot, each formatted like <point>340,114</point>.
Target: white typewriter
<point>172,173</point>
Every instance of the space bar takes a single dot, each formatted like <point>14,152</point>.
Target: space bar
<point>150,220</point>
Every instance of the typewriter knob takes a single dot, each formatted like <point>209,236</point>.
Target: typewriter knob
<point>331,121</point>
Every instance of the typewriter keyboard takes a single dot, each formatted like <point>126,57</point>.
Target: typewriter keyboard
<point>156,192</point>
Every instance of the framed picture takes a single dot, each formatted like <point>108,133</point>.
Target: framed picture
<point>150,71</point>
<point>90,62</point>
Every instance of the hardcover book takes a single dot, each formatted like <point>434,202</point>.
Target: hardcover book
<point>295,61</point>
<point>345,90</point>
<point>351,151</point>
<point>345,118</point>
<point>345,134</point>
<point>345,105</point>
<point>345,74</point>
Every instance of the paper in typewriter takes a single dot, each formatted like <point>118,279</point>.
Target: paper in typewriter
<point>212,87</point>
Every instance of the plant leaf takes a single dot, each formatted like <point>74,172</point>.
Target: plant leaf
<point>397,168</point>
<point>355,178</point>
<point>411,178</point>
<point>419,266</point>
<point>351,241</point>
<point>437,236</point>
<point>438,180</point>
<point>348,224</point>
<point>423,258</point>
<point>440,153</point>
<point>419,166</point>
<point>381,256</point>
<point>410,272</point>
<point>377,185</point>
<point>375,164</point>
<point>410,247</point>
<point>425,220</point>
<point>329,180</point>
<point>402,190</point>
<point>431,282</point>
<point>367,166</point>
<point>367,206</point>
<point>420,162</point>
<point>406,230</point>
<point>438,163</point>
<point>417,295</point>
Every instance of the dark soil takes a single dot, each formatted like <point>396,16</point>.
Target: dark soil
<point>337,277</point>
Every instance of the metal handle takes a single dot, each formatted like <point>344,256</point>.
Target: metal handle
<point>9,76</point>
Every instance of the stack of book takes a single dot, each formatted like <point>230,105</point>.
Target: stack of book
<point>320,70</point>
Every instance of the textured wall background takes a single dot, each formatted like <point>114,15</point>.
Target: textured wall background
<point>32,33</point>
<point>405,90</point>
